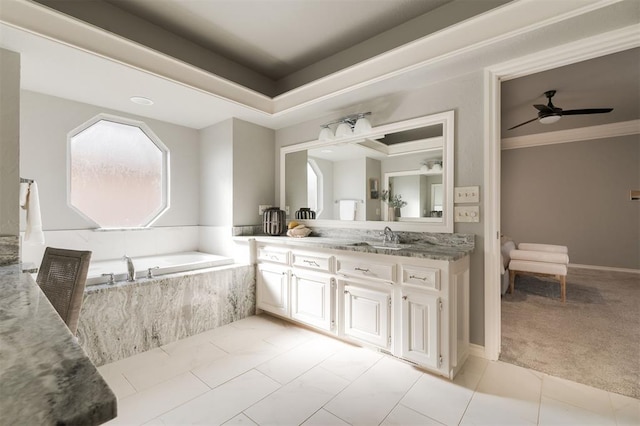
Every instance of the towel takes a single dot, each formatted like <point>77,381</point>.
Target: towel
<point>30,202</point>
<point>347,209</point>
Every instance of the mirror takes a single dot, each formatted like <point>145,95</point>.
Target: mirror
<point>400,172</point>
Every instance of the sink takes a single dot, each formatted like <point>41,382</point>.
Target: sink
<point>384,246</point>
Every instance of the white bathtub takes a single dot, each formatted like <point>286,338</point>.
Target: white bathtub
<point>166,263</point>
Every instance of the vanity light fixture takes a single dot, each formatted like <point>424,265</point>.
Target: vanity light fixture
<point>354,124</point>
<point>141,100</point>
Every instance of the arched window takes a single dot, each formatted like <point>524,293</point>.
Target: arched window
<point>118,173</point>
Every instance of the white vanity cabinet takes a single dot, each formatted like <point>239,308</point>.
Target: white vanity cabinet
<point>366,314</point>
<point>415,308</point>
<point>421,328</point>
<point>272,289</point>
<point>313,299</point>
<point>273,280</point>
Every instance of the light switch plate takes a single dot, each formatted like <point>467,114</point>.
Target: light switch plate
<point>466,214</point>
<point>467,194</point>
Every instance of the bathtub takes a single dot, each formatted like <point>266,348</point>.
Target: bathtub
<point>166,263</point>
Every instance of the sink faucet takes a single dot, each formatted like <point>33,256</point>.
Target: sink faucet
<point>388,236</point>
<point>131,270</point>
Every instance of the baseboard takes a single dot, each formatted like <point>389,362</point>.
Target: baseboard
<point>604,268</point>
<point>477,350</point>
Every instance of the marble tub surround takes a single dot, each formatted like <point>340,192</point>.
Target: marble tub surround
<point>45,376</point>
<point>436,246</point>
<point>9,250</point>
<point>121,320</point>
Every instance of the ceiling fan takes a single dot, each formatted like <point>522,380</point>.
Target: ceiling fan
<point>550,113</point>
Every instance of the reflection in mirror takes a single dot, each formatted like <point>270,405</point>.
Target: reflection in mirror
<point>345,180</point>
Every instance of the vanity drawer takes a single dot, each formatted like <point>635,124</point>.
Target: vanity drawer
<point>316,262</point>
<point>366,269</point>
<point>421,276</point>
<point>274,255</point>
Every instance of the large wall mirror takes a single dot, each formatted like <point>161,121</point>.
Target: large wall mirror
<point>398,175</point>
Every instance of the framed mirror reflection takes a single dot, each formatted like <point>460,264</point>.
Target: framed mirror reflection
<point>400,172</point>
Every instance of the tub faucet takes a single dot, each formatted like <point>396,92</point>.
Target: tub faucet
<point>131,270</point>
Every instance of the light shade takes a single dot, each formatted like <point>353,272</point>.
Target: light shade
<point>326,134</point>
<point>362,125</point>
<point>549,119</point>
<point>344,130</point>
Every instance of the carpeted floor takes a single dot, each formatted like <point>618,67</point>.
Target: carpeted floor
<point>593,339</point>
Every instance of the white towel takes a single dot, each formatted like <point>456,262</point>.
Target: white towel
<point>348,209</point>
<point>30,202</point>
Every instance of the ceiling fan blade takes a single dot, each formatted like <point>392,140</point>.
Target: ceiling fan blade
<point>587,111</point>
<point>522,124</point>
<point>544,108</point>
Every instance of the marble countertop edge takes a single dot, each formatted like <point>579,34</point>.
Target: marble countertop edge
<point>422,250</point>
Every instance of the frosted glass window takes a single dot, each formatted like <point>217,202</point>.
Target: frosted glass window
<point>117,173</point>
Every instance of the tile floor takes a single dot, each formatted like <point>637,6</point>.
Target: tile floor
<point>265,371</point>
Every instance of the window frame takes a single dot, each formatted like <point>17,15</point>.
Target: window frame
<point>166,176</point>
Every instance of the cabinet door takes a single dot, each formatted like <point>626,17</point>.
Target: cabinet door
<point>273,289</point>
<point>420,329</point>
<point>367,314</point>
<point>312,299</point>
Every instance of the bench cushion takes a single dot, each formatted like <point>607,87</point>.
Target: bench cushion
<point>538,267</point>
<point>543,247</point>
<point>539,256</point>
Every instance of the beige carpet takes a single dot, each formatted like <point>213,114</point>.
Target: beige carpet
<point>593,339</point>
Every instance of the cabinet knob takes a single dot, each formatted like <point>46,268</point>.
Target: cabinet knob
<point>346,292</point>
<point>404,297</point>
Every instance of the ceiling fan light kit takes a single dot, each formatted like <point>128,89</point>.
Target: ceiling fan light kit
<point>549,113</point>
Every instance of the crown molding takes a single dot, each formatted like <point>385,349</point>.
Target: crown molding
<point>45,22</point>
<point>513,19</point>
<point>604,131</point>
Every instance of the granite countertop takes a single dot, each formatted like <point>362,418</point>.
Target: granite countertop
<point>45,376</point>
<point>449,249</point>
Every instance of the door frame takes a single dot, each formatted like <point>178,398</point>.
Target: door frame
<point>588,48</point>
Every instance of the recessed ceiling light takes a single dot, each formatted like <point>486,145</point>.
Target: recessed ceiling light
<point>141,101</point>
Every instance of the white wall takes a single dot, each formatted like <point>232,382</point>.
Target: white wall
<point>44,125</point>
<point>465,96</point>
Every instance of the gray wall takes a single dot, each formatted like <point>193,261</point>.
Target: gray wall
<point>296,182</point>
<point>253,171</point>
<point>216,174</point>
<point>462,94</point>
<point>45,122</point>
<point>236,172</point>
<point>576,194</point>
<point>10,142</point>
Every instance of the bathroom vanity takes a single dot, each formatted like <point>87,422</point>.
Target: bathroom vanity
<point>410,301</point>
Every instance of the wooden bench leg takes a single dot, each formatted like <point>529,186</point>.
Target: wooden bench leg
<point>563,288</point>
<point>512,280</point>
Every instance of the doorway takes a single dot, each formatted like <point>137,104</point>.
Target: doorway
<point>552,58</point>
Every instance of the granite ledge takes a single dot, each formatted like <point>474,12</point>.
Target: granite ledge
<point>422,249</point>
<point>45,376</point>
